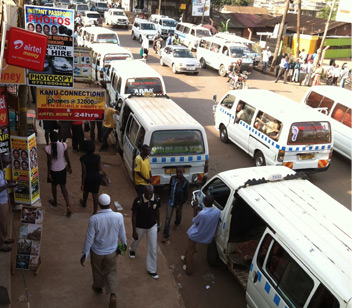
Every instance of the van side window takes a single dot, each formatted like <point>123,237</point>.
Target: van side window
<point>115,82</point>
<point>316,100</point>
<point>179,27</point>
<point>228,101</point>
<point>323,298</point>
<point>140,138</point>
<point>220,191</point>
<point>193,32</point>
<point>131,132</point>
<point>119,85</point>
<point>244,112</point>
<point>268,125</point>
<point>94,58</point>
<point>202,43</point>
<point>290,280</point>
<point>225,51</point>
<point>215,47</point>
<point>186,30</point>
<point>342,114</point>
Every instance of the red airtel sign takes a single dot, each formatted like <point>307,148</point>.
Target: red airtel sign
<point>26,49</point>
<point>3,109</point>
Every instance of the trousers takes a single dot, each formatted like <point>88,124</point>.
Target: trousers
<point>151,235</point>
<point>4,215</point>
<point>99,130</point>
<point>104,271</point>
<point>169,215</point>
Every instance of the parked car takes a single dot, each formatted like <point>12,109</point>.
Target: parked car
<point>116,17</point>
<point>90,18</point>
<point>143,28</point>
<point>180,59</point>
<point>61,65</point>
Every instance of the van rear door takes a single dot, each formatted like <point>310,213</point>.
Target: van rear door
<point>277,279</point>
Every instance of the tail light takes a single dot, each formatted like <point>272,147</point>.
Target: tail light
<point>330,155</point>
<point>205,168</point>
<point>280,155</point>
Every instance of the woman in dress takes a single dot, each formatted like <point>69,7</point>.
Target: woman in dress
<point>91,179</point>
<point>56,156</point>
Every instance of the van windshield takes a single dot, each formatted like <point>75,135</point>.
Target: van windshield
<point>148,27</point>
<point>169,23</point>
<point>239,52</point>
<point>177,142</point>
<point>202,33</point>
<point>82,7</point>
<point>107,38</point>
<point>139,86</point>
<point>309,133</point>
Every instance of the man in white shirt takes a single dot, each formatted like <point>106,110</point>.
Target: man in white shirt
<point>302,56</point>
<point>266,54</point>
<point>104,230</point>
<point>145,46</point>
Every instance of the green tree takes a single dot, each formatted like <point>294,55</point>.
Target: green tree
<point>325,12</point>
<point>219,3</point>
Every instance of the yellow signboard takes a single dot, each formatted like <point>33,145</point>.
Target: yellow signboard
<point>183,6</point>
<point>12,74</point>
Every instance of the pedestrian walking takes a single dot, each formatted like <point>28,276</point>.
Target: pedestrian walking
<point>145,46</point>
<point>283,69</point>
<point>317,75</point>
<point>336,74</point>
<point>104,231</point>
<point>4,205</point>
<point>266,54</point>
<point>48,127</point>
<point>178,195</point>
<point>202,230</point>
<point>145,221</point>
<point>309,73</point>
<point>296,72</point>
<point>142,169</point>
<point>302,72</point>
<point>302,56</point>
<point>108,125</point>
<point>93,125</point>
<point>91,179</point>
<point>77,136</point>
<point>57,154</point>
<point>169,40</point>
<point>64,130</point>
<point>344,74</point>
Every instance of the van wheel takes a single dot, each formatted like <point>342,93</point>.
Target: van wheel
<point>161,61</point>
<point>202,63</point>
<point>213,259</point>
<point>222,71</point>
<point>174,69</point>
<point>132,35</point>
<point>259,159</point>
<point>223,134</point>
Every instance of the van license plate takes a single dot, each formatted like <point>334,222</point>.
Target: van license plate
<point>173,170</point>
<point>190,68</point>
<point>306,156</point>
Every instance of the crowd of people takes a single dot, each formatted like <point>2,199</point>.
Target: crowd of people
<point>304,71</point>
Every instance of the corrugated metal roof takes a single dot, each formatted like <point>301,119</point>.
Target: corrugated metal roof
<point>315,227</point>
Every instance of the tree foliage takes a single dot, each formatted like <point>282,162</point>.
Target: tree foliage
<point>219,3</point>
<point>325,12</point>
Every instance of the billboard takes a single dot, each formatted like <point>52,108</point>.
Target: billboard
<point>198,6</point>
<point>58,25</point>
<point>83,64</point>
<point>70,105</point>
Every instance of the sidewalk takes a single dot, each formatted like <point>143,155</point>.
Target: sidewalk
<point>61,281</point>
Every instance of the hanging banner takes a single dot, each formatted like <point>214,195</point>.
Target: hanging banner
<point>58,25</point>
<point>4,120</point>
<point>25,169</point>
<point>4,140</point>
<point>82,64</point>
<point>28,246</point>
<point>70,105</point>
<point>199,5</point>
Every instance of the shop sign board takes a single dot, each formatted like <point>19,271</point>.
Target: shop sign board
<point>11,74</point>
<point>70,105</point>
<point>26,48</point>
<point>4,140</point>
<point>58,25</point>
<point>4,120</point>
<point>83,64</point>
<point>25,169</point>
<point>199,5</point>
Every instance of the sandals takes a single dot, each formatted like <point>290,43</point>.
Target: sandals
<point>52,202</point>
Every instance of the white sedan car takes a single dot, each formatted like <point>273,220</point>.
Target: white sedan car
<point>180,59</point>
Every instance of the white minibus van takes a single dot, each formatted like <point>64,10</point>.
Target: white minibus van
<point>221,54</point>
<point>191,34</point>
<point>132,77</point>
<point>275,130</point>
<point>103,55</point>
<point>175,138</point>
<point>287,242</point>
<point>89,36</point>
<point>336,104</point>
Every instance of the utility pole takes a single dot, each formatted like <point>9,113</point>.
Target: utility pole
<point>159,6</point>
<point>319,51</point>
<point>203,11</point>
<point>280,33</point>
<point>298,28</point>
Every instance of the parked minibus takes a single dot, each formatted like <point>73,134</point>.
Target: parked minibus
<point>287,242</point>
<point>176,139</point>
<point>336,104</point>
<point>275,130</point>
<point>221,54</point>
<point>103,55</point>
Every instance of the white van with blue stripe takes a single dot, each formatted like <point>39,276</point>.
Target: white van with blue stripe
<point>190,34</point>
<point>176,139</point>
<point>275,130</point>
<point>287,242</point>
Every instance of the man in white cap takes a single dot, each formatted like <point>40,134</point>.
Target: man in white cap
<point>105,228</point>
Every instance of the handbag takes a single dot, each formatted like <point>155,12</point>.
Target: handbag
<point>105,180</point>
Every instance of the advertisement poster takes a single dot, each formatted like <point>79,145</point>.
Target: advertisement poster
<point>25,169</point>
<point>58,25</point>
<point>28,246</point>
<point>82,64</point>
<point>12,74</point>
<point>3,108</point>
<point>198,5</point>
<point>70,105</point>
<point>4,140</point>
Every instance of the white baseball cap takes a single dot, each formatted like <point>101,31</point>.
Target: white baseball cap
<point>104,199</point>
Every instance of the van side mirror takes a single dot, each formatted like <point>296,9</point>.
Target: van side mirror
<point>215,98</point>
